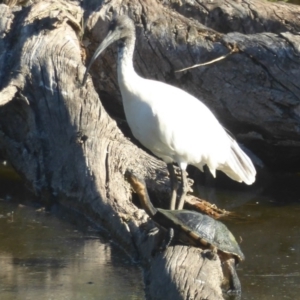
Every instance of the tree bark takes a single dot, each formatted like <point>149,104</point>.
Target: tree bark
<point>254,92</point>
<point>59,137</point>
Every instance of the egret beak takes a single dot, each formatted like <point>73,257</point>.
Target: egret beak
<point>109,39</point>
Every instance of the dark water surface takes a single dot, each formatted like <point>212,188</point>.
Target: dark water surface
<point>43,256</point>
<point>268,225</point>
<point>271,243</point>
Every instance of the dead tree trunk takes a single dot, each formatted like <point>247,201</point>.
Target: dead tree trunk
<point>58,136</point>
<point>254,92</point>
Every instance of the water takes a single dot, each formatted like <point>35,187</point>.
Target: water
<point>272,247</point>
<point>43,256</point>
<point>268,225</point>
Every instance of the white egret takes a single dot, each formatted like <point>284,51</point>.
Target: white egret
<point>171,123</point>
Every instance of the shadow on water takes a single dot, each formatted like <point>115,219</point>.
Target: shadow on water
<point>267,223</point>
<point>43,256</point>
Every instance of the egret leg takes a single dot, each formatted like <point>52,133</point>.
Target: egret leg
<point>184,189</point>
<point>174,185</point>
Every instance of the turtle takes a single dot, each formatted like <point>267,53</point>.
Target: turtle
<point>194,229</point>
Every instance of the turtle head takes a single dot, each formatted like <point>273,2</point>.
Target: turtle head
<point>139,186</point>
<point>137,183</point>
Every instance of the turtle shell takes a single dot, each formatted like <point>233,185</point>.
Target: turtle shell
<point>199,228</point>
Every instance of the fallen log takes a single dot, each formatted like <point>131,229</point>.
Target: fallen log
<point>60,139</point>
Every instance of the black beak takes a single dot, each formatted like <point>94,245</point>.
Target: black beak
<point>109,39</point>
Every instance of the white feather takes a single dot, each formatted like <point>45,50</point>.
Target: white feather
<point>177,127</point>
<point>171,123</point>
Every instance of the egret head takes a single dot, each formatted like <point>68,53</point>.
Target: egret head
<point>120,28</point>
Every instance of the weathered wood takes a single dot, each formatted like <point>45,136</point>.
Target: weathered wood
<point>58,136</point>
<point>248,17</point>
<point>254,92</point>
<point>175,267</point>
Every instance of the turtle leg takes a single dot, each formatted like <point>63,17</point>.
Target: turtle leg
<point>159,238</point>
<point>231,275</point>
<point>168,239</point>
<point>164,242</point>
<point>174,185</point>
<point>153,231</point>
<point>211,253</point>
<point>184,188</point>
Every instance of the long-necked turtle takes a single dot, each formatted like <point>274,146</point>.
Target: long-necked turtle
<point>196,229</point>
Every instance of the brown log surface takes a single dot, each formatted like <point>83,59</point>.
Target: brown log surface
<point>254,92</point>
<point>59,137</point>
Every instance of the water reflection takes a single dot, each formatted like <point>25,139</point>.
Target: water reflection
<point>272,247</point>
<point>45,257</point>
<point>267,223</point>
